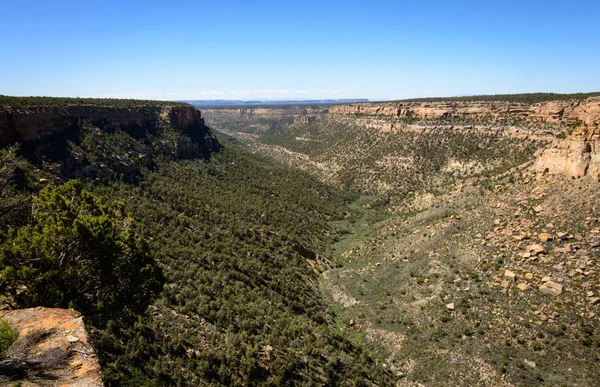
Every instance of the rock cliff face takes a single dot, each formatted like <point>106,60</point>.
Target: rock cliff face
<point>37,123</point>
<point>579,153</point>
<point>576,155</point>
<point>77,136</point>
<point>587,111</point>
<point>53,349</point>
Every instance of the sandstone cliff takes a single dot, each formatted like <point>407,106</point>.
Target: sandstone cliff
<point>587,111</point>
<point>53,349</point>
<point>71,135</point>
<point>576,155</point>
<point>36,123</point>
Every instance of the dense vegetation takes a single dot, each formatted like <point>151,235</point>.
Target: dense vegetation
<point>236,242</point>
<point>30,102</point>
<point>519,98</point>
<point>240,241</point>
<point>78,253</point>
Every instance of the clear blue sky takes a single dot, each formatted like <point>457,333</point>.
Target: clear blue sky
<point>297,49</point>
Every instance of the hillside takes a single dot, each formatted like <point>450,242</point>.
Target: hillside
<point>193,262</point>
<point>473,254</point>
<point>369,244</point>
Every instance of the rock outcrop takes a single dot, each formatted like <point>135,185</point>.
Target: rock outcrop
<point>586,111</point>
<point>36,123</point>
<point>576,155</point>
<point>53,349</point>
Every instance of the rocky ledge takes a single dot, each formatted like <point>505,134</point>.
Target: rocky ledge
<point>53,349</point>
<point>586,111</point>
<point>577,154</point>
<point>104,140</point>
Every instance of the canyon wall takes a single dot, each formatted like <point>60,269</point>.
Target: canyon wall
<point>578,154</point>
<point>586,111</point>
<point>76,137</point>
<point>36,123</point>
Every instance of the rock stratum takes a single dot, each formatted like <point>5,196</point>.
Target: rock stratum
<point>36,123</point>
<point>53,349</point>
<point>586,111</point>
<point>92,140</point>
<point>576,155</point>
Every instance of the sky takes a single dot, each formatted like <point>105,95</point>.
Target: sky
<point>255,49</point>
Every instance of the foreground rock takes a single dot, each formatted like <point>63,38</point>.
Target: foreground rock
<point>53,349</point>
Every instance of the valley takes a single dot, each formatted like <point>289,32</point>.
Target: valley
<point>398,243</point>
<point>315,193</point>
<point>472,260</point>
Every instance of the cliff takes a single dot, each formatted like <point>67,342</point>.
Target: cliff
<point>91,139</point>
<point>53,349</point>
<point>576,155</point>
<point>586,111</point>
<point>35,123</point>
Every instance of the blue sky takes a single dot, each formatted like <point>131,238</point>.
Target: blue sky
<point>310,49</point>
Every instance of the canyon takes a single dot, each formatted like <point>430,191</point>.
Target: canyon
<point>454,239</point>
<point>475,255</point>
<point>572,127</point>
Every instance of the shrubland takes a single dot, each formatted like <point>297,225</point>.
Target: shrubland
<point>189,271</point>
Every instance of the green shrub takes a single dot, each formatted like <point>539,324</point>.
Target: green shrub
<point>80,253</point>
<point>7,336</point>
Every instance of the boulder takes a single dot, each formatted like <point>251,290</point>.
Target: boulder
<point>535,249</point>
<point>551,288</point>
<point>509,275</point>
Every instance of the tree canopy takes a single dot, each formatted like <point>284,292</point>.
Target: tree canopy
<point>79,253</point>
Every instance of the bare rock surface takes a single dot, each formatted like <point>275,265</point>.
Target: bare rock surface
<point>56,338</point>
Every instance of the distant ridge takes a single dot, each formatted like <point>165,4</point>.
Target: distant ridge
<point>223,102</point>
<point>523,98</point>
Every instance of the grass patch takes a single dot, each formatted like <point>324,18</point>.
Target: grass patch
<point>8,335</point>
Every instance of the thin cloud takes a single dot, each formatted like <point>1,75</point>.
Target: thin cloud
<point>207,93</point>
